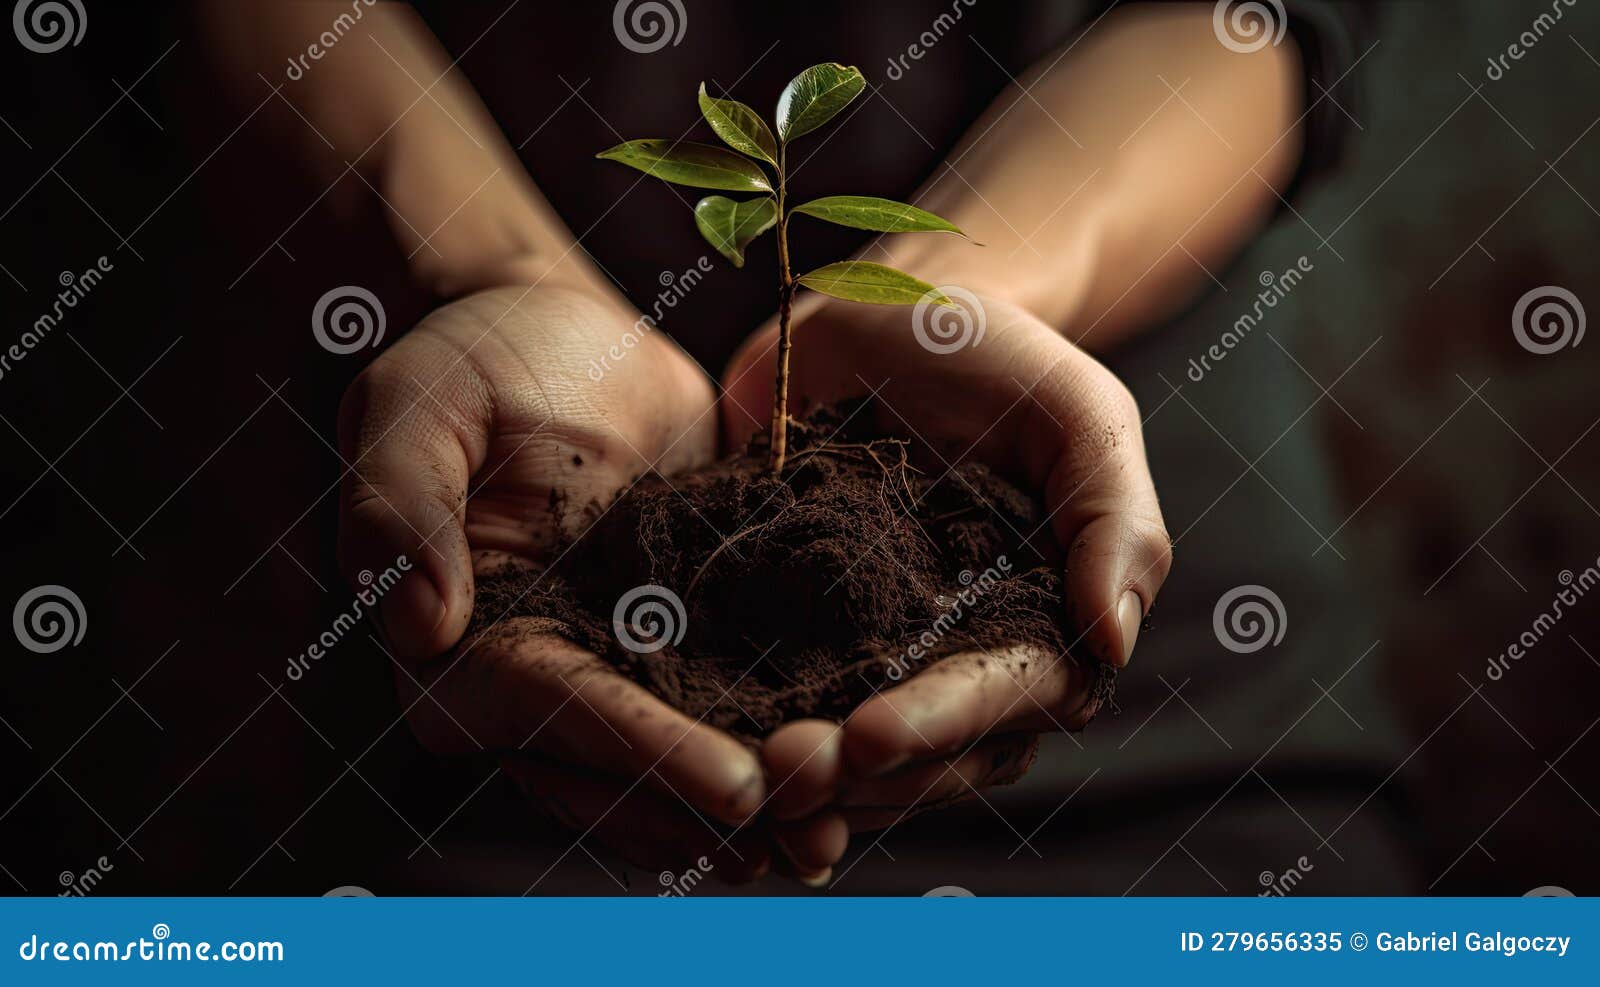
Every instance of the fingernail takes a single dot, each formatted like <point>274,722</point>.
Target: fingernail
<point>1130,614</point>
<point>817,880</point>
<point>410,613</point>
<point>747,801</point>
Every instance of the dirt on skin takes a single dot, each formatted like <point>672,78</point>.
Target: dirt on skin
<point>801,596</point>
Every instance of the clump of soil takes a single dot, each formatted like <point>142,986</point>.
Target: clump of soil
<point>801,595</point>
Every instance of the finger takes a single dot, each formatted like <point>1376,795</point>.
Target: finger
<point>812,845</point>
<point>643,828</point>
<point>802,760</point>
<point>916,788</point>
<point>945,708</point>
<point>413,428</point>
<point>518,687</point>
<point>811,879</point>
<point>1083,446</point>
<point>996,760</point>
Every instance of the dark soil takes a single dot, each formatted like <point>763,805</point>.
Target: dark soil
<point>804,595</point>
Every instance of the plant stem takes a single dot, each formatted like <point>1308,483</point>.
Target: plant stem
<point>780,387</point>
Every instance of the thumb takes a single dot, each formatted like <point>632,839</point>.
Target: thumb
<point>1085,450</point>
<point>409,448</point>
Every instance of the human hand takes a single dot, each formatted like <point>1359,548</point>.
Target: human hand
<point>498,391</point>
<point>1038,409</point>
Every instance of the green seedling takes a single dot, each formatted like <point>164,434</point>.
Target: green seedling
<point>810,100</point>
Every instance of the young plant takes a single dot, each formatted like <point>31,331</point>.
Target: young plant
<point>810,100</point>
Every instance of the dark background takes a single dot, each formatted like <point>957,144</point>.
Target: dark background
<point>165,455</point>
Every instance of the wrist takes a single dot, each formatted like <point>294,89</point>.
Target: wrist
<point>511,267</point>
<point>1051,282</point>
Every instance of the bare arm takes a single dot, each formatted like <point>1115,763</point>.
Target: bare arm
<point>387,99</point>
<point>1147,155</point>
<point>489,393</point>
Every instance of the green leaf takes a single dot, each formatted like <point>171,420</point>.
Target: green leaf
<point>730,226</point>
<point>687,163</point>
<point>814,96</point>
<point>864,281</point>
<point>865,212</point>
<point>740,127</point>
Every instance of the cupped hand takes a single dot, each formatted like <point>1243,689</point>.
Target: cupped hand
<point>477,440</point>
<point>1030,404</point>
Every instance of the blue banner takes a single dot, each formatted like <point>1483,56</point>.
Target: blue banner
<point>798,941</point>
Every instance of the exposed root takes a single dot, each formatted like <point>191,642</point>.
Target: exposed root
<point>831,575</point>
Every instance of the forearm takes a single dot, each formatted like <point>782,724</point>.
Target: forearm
<point>1104,199</point>
<point>384,103</point>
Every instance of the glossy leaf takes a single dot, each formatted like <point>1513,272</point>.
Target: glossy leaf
<point>865,212</point>
<point>864,281</point>
<point>740,127</point>
<point>730,226</point>
<point>814,96</point>
<point>687,163</point>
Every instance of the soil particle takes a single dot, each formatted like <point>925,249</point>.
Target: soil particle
<point>802,595</point>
